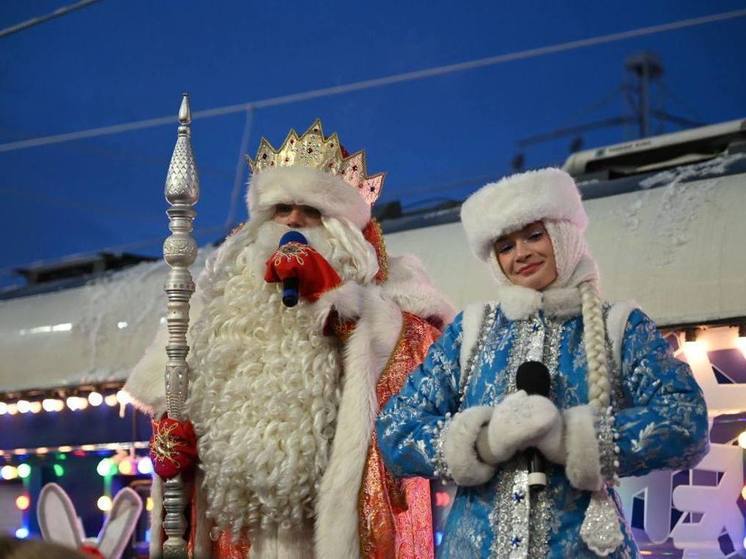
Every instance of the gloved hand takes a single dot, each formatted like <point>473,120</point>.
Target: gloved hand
<point>295,260</point>
<point>573,442</point>
<point>173,447</point>
<point>518,422</point>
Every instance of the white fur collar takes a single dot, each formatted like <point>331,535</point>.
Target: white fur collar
<point>411,288</point>
<point>563,302</point>
<point>518,303</point>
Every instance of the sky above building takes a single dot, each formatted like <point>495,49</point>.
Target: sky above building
<point>439,136</point>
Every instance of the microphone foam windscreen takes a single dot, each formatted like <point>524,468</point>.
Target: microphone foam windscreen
<point>293,237</point>
<point>533,377</point>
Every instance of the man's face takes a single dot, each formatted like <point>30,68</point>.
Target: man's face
<point>297,216</point>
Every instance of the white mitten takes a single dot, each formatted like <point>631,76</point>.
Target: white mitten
<point>552,443</point>
<point>459,450</point>
<point>518,422</point>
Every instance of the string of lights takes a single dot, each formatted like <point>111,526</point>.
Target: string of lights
<point>120,459</point>
<point>55,400</point>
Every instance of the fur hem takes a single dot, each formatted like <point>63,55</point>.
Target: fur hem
<point>156,518</point>
<point>501,207</point>
<point>616,322</point>
<point>583,460</point>
<point>366,355</point>
<point>471,322</point>
<point>329,194</point>
<point>347,300</point>
<point>411,288</point>
<point>146,384</point>
<point>202,542</point>
<point>459,447</point>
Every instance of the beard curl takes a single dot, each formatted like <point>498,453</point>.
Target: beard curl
<point>265,386</point>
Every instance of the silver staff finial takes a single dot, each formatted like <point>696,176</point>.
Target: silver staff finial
<point>185,112</point>
<point>179,251</point>
<point>182,181</point>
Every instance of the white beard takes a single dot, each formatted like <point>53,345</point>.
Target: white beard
<point>265,385</point>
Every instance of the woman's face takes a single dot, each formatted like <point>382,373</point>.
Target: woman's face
<point>526,257</point>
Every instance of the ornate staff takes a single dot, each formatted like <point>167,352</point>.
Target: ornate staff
<point>179,251</point>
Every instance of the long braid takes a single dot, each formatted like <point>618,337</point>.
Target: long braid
<point>594,337</point>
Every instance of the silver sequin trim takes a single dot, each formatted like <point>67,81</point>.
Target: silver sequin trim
<point>441,469</point>
<point>519,514</point>
<point>607,445</point>
<point>605,424</point>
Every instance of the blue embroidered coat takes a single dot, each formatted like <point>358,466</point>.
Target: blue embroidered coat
<point>660,421</point>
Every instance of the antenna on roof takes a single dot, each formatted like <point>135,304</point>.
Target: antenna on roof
<point>645,70</point>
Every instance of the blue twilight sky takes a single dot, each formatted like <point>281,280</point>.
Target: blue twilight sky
<point>438,138</point>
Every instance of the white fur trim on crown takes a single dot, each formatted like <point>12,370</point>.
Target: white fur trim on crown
<point>329,194</point>
<point>583,461</point>
<point>509,204</point>
<point>459,447</point>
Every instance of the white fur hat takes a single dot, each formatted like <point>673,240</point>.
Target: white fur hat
<point>328,193</point>
<point>515,201</point>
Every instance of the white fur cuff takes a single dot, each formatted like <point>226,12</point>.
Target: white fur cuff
<point>583,461</point>
<point>459,449</point>
<point>347,300</point>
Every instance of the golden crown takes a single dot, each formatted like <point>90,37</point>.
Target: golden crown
<point>313,149</point>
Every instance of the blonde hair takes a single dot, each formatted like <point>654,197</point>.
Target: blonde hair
<point>594,338</point>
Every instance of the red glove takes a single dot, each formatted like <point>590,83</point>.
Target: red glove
<point>173,447</point>
<point>295,260</point>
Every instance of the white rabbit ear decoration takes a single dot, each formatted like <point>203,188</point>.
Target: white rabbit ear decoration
<point>60,524</point>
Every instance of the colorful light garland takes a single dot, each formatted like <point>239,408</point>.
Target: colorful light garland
<point>124,462</point>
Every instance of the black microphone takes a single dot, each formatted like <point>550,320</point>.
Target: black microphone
<point>290,285</point>
<point>533,377</point>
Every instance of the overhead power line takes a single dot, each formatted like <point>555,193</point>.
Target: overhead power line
<point>376,82</point>
<point>41,19</point>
